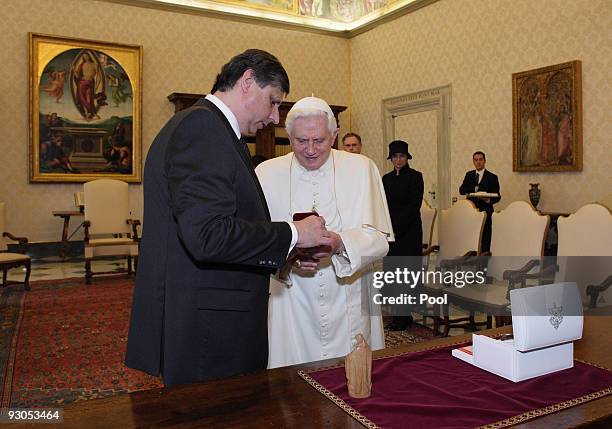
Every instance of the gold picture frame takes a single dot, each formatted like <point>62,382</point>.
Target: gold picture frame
<point>85,110</point>
<point>547,118</point>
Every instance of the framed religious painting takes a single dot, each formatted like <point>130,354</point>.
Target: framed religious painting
<point>547,118</point>
<point>85,110</point>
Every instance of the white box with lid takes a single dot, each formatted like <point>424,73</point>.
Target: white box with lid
<point>545,321</point>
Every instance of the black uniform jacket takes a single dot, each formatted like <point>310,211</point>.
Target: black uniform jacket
<point>404,197</point>
<point>489,183</point>
<point>200,305</point>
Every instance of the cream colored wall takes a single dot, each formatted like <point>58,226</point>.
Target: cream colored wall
<point>476,45</point>
<point>182,53</point>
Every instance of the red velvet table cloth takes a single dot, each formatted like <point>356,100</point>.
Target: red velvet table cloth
<point>432,389</point>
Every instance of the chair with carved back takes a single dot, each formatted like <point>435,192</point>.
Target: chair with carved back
<point>109,229</point>
<point>584,253</point>
<point>606,201</point>
<point>10,260</point>
<point>517,248</point>
<point>459,234</point>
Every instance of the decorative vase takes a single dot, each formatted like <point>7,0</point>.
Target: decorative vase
<point>534,194</point>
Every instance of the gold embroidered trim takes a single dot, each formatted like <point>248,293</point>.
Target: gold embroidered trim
<point>529,415</point>
<point>339,401</point>
<point>519,418</point>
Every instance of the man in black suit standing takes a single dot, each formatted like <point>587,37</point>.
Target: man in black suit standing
<point>404,189</point>
<point>482,180</point>
<point>200,305</point>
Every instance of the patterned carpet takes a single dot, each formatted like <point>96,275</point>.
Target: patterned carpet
<point>64,341</point>
<point>416,334</point>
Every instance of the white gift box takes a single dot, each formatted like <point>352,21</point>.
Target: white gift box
<point>546,320</point>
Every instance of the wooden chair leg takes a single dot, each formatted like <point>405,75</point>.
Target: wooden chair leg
<point>88,273</point>
<point>445,317</point>
<point>436,326</point>
<point>446,325</point>
<point>489,321</point>
<point>26,282</point>
<point>499,321</point>
<point>129,265</point>
<point>135,264</point>
<point>436,319</point>
<point>472,322</point>
<point>4,277</point>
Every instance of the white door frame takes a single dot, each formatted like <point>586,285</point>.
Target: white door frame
<point>439,100</point>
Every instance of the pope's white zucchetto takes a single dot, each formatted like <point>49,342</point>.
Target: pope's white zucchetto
<point>310,106</point>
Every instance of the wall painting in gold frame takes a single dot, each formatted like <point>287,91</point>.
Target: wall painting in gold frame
<point>85,110</point>
<point>547,118</point>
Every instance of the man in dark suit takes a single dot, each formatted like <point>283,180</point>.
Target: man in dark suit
<point>208,247</point>
<point>482,180</point>
<point>404,190</point>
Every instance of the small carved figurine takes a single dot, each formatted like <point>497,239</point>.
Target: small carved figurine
<point>358,369</point>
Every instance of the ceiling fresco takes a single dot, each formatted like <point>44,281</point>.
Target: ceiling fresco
<point>337,16</point>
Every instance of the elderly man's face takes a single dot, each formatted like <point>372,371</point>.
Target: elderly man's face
<point>352,144</point>
<point>311,141</point>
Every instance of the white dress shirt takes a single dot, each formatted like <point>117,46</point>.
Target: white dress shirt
<point>234,123</point>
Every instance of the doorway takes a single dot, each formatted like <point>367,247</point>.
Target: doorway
<point>423,120</point>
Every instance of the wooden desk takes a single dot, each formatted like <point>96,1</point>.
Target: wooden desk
<point>279,398</point>
<point>66,215</point>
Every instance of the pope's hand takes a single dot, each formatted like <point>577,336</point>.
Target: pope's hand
<point>336,246</point>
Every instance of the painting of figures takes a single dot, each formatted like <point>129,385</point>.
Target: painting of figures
<point>547,118</point>
<point>85,110</point>
<point>340,10</point>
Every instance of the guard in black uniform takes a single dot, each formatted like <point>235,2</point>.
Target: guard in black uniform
<point>404,189</point>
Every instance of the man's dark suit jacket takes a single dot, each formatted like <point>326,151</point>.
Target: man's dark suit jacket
<point>200,306</point>
<point>489,183</point>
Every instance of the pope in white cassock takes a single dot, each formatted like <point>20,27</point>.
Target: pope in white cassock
<point>316,315</point>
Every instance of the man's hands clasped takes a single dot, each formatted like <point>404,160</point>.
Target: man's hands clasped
<point>314,243</point>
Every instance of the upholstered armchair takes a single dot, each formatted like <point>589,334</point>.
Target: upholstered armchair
<point>12,260</point>
<point>109,229</point>
<point>584,253</point>
<point>517,248</point>
<point>459,234</point>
